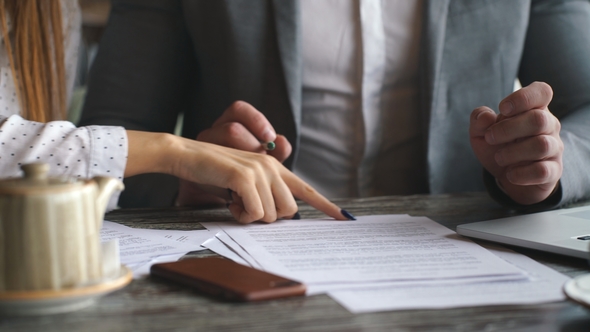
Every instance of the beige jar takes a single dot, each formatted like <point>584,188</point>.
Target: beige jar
<point>49,230</point>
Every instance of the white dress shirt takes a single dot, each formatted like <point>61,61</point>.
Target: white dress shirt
<point>78,152</point>
<point>361,129</point>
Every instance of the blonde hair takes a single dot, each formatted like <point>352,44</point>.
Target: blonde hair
<point>37,59</point>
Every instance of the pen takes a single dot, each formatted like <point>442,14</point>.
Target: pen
<point>269,146</point>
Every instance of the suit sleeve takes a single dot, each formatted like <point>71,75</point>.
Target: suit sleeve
<point>557,51</point>
<point>142,72</point>
<point>140,79</point>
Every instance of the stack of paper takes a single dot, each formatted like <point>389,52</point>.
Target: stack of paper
<point>387,262</point>
<point>140,248</point>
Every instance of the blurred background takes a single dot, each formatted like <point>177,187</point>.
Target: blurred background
<point>95,14</point>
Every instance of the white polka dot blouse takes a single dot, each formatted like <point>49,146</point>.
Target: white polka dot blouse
<point>82,152</point>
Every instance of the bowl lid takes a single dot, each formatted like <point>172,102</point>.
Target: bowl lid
<point>36,178</point>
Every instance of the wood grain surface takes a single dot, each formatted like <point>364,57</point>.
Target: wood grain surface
<point>152,305</point>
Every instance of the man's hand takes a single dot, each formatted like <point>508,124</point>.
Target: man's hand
<point>520,146</point>
<point>241,127</point>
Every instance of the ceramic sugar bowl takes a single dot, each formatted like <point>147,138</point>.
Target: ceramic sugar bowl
<point>49,230</point>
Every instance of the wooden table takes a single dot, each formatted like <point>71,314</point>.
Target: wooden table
<point>153,305</point>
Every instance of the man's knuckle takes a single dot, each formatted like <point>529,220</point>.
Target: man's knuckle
<point>544,89</point>
<point>524,98</point>
<point>237,105</point>
<point>561,146</point>
<point>543,171</point>
<point>557,126</point>
<point>540,120</point>
<point>233,130</point>
<point>545,145</point>
<point>204,135</point>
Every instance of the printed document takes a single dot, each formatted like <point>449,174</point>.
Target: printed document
<point>372,248</point>
<point>140,248</point>
<point>543,285</point>
<point>393,262</point>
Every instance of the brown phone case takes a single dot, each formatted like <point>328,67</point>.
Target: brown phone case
<point>227,279</point>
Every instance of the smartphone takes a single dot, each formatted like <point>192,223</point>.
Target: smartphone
<point>226,279</point>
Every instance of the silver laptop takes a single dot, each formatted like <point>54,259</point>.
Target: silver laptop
<point>565,231</point>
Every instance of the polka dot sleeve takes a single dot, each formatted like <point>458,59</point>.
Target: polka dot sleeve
<point>82,152</point>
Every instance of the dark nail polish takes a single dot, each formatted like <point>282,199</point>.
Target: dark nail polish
<point>296,216</point>
<point>347,214</point>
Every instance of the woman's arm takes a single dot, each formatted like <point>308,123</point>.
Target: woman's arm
<point>262,187</point>
<point>82,152</point>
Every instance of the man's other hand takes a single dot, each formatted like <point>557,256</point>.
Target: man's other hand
<point>520,146</point>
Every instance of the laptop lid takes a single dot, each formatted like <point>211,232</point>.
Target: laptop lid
<point>564,231</point>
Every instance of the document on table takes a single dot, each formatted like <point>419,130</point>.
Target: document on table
<point>142,270</point>
<point>141,247</point>
<point>372,248</point>
<point>218,247</point>
<point>391,262</point>
<point>543,285</point>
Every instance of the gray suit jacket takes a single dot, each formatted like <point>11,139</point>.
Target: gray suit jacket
<point>158,59</point>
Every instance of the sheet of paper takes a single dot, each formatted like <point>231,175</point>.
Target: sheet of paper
<point>544,285</point>
<point>230,250</point>
<point>238,250</point>
<point>195,237</point>
<point>322,288</point>
<point>218,247</point>
<point>142,270</point>
<point>372,248</point>
<point>137,245</point>
<point>224,248</point>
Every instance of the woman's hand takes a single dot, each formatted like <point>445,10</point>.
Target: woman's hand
<point>262,188</point>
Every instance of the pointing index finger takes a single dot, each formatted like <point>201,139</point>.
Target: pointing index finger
<point>306,193</point>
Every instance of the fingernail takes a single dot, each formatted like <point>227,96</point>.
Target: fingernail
<point>481,113</point>
<point>506,107</point>
<point>296,216</point>
<point>227,204</point>
<point>347,215</point>
<point>268,135</point>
